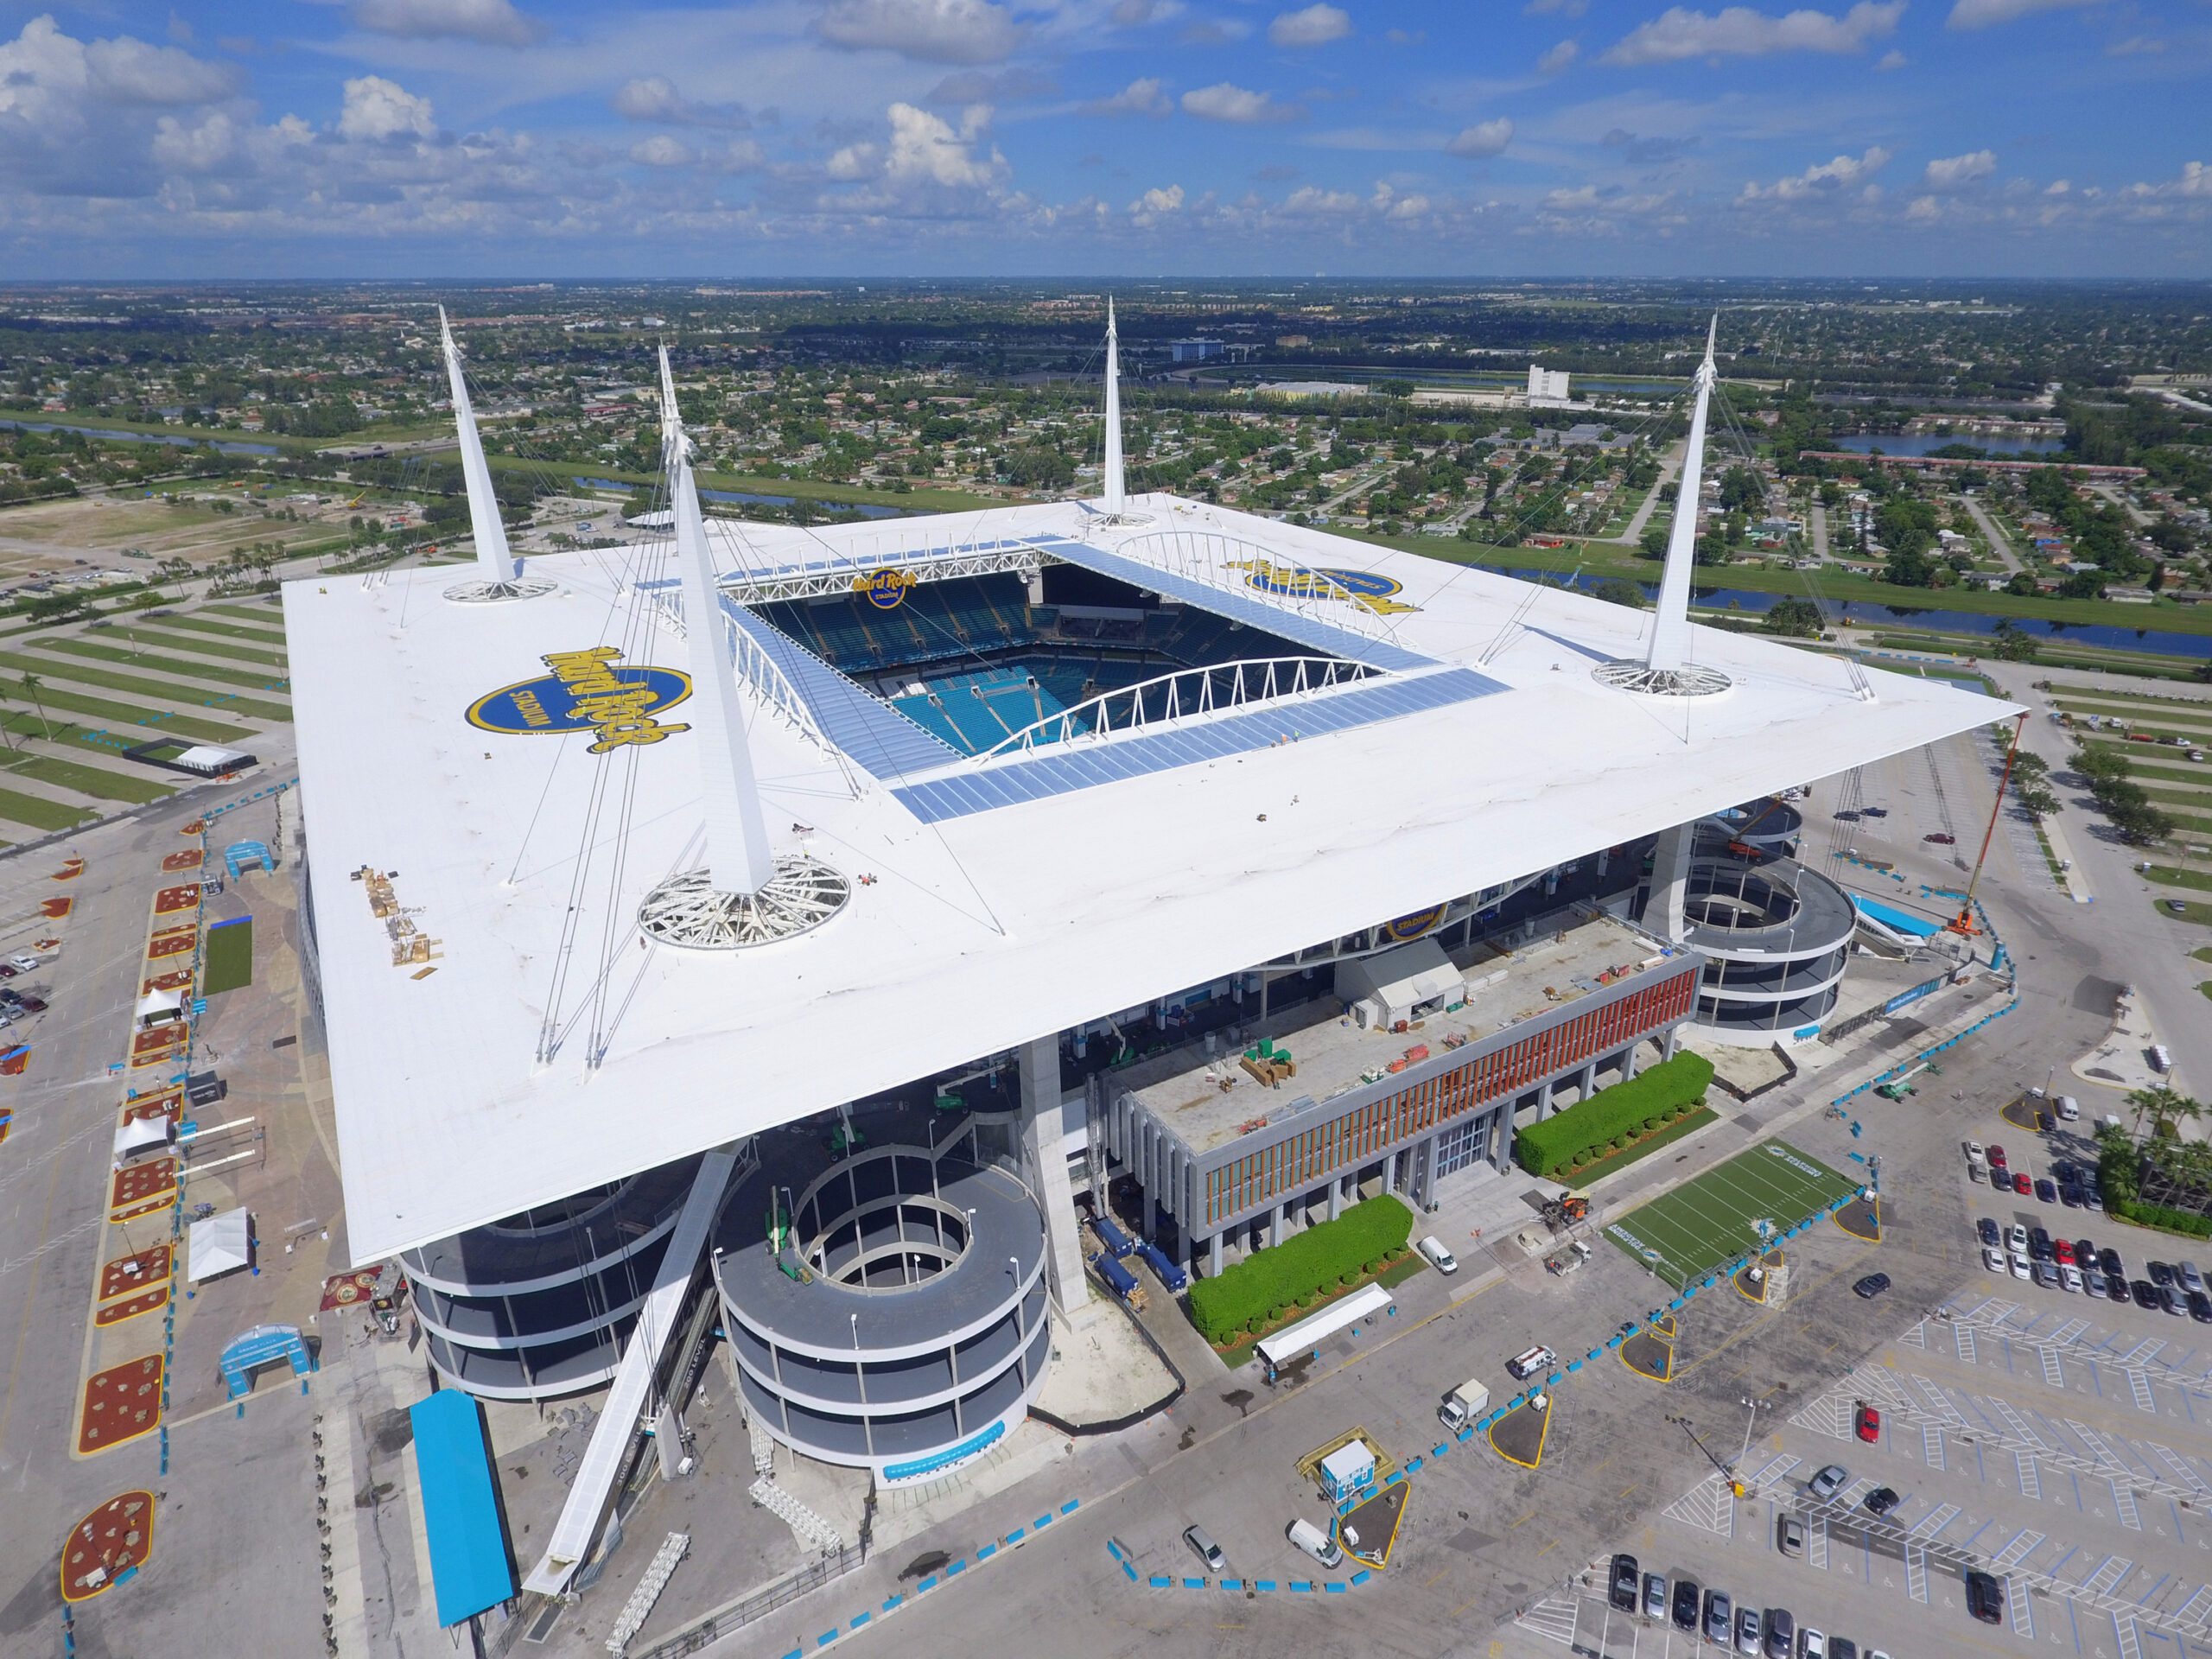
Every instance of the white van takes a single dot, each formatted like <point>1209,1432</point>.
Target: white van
<point>1315,1542</point>
<point>1439,1258</point>
<point>2069,1108</point>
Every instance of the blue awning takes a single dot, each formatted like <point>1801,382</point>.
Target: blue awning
<point>468,1545</point>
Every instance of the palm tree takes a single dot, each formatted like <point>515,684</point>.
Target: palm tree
<point>2156,1103</point>
<point>30,690</point>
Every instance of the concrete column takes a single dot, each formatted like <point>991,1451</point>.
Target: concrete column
<point>1667,1048</point>
<point>1545,1106</point>
<point>1670,881</point>
<point>1044,1155</point>
<point>1586,1081</point>
<point>1336,1197</point>
<point>1628,1062</point>
<point>1213,1256</point>
<point>1391,1174</point>
<point>1428,1173</point>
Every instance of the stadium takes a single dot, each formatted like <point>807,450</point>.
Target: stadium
<point>814,914</point>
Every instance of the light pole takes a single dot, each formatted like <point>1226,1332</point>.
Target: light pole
<point>1750,1422</point>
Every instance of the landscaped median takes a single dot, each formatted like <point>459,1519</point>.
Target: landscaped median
<point>1286,1281</point>
<point>1596,1131</point>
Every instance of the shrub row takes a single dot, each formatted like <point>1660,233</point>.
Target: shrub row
<point>1612,1118</point>
<point>1269,1283</point>
<point>2158,1215</point>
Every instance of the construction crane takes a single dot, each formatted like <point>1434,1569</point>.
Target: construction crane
<point>1962,924</point>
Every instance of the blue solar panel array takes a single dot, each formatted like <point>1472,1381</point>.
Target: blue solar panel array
<point>1060,769</point>
<point>1329,640</point>
<point>874,735</point>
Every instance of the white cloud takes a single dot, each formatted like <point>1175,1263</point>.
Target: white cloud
<point>1484,138</point>
<point>1215,31</point>
<point>1558,58</point>
<point>495,22</point>
<point>1562,8</point>
<point>1233,103</point>
<point>925,148</point>
<point>2136,46</point>
<point>1982,14</point>
<point>654,98</point>
<point>1156,204</point>
<point>1925,210</point>
<point>661,150</point>
<point>934,31</point>
<point>1954,170</point>
<point>1893,59</point>
<point>2195,179</point>
<point>1133,14</point>
<point>377,109</point>
<point>200,148</point>
<point>1139,98</point>
<point>1826,179</point>
<point>1313,199</point>
<point>1739,31</point>
<point>2058,187</point>
<point>1316,25</point>
<point>856,162</point>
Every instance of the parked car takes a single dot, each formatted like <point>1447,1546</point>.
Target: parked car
<point>1686,1603</point>
<point>2041,1247</point>
<point>1828,1482</point>
<point>2116,1288</point>
<point>2170,1298</point>
<point>2092,1285</point>
<point>1790,1537</point>
<point>1992,1258</point>
<point>1781,1634</point>
<point>2161,1275</point>
<point>2046,1190</point>
<point>1439,1257</point>
<point>2200,1307</point>
<point>23,962</point>
<point>1872,1285</point>
<point>2189,1277</point>
<point>2015,1238</point>
<point>1718,1616</point>
<point>2085,1254</point>
<point>1985,1597</point>
<point>1626,1581</point>
<point>1811,1644</point>
<point>1843,1647</point>
<point>2070,1276</point>
<point>2020,1265</point>
<point>1881,1500</point>
<point>1986,1231</point>
<point>1208,1551</point>
<point>23,1000</point>
<point>1315,1542</point>
<point>1655,1596</point>
<point>2108,1260</point>
<point>1867,1423</point>
<point>1525,1364</point>
<point>2146,1294</point>
<point>1941,839</point>
<point>1996,1155</point>
<point>2061,1251</point>
<point>2024,1186</point>
<point>1877,811</point>
<point>1747,1630</point>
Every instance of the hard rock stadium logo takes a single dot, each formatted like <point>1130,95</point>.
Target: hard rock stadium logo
<point>1361,587</point>
<point>884,589</point>
<point>588,691</point>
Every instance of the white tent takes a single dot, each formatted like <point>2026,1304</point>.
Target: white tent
<point>141,1135</point>
<point>211,759</point>
<point>158,1008</point>
<point>222,1243</point>
<point>1410,983</point>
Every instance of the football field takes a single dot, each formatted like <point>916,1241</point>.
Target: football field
<point>1689,1231</point>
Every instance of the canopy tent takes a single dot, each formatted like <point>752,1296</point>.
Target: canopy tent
<point>141,1135</point>
<point>212,759</point>
<point>222,1243</point>
<point>1409,982</point>
<point>157,1008</point>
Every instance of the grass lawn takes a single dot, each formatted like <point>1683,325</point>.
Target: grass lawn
<point>1390,1278</point>
<point>41,814</point>
<point>229,648</point>
<point>265,614</point>
<point>1658,1138</point>
<point>27,720</point>
<point>2175,877</point>
<point>234,630</point>
<point>1698,1226</point>
<point>159,690</point>
<point>2191,911</point>
<point>254,679</point>
<point>229,962</point>
<point>87,780</point>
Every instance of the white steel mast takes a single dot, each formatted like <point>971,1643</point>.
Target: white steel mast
<point>1115,496</point>
<point>497,576</point>
<point>1666,669</point>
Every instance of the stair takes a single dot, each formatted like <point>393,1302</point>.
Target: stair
<point>811,1528</point>
<point>635,1610</point>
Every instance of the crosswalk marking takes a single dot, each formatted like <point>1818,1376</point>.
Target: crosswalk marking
<point>1709,1506</point>
<point>1553,1620</point>
<point>2196,1608</point>
<point>2070,1329</point>
<point>2141,1385</point>
<point>2051,1372</point>
<point>1816,1546</point>
<point>2024,1622</point>
<point>2025,1464</point>
<point>1915,1572</point>
<point>2124,1628</point>
<point>1917,1335</point>
<point>1774,1470</point>
<point>2182,1471</point>
<point>1940,1400</point>
<point>1962,1338</point>
<point>1931,1444</point>
<point>2109,1573</point>
<point>2023,1545</point>
<point>1934,1522</point>
<point>2142,1350</point>
<point>2124,1501</point>
<point>2017,1424</point>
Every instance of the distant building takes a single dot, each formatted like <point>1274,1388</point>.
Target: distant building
<point>1547,387</point>
<point>1296,389</point>
<point>1293,339</point>
<point>1194,351</point>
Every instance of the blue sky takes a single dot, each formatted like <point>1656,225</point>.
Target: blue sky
<point>912,137</point>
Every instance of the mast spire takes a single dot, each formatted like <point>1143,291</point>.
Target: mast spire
<point>737,861</point>
<point>498,576</point>
<point>1114,494</point>
<point>743,895</point>
<point>1666,669</point>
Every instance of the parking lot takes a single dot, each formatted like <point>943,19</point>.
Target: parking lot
<point>2062,1443</point>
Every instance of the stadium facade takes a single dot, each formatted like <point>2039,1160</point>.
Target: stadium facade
<point>818,912</point>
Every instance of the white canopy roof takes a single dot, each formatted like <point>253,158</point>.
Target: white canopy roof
<point>221,1244</point>
<point>141,1135</point>
<point>979,931</point>
<point>1398,979</point>
<point>157,1006</point>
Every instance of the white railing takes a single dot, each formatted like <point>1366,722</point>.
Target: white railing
<point>755,667</point>
<point>1187,692</point>
<point>811,1528</point>
<point>640,1607</point>
<point>1236,566</point>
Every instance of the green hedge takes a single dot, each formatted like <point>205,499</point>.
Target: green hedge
<point>2159,1216</point>
<point>1270,1280</point>
<point>1612,1117</point>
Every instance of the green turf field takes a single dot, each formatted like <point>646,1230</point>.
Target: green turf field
<point>1698,1226</point>
<point>230,958</point>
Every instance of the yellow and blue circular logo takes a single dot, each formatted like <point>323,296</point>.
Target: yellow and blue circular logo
<point>586,691</point>
<point>1413,926</point>
<point>885,589</point>
<point>1361,587</point>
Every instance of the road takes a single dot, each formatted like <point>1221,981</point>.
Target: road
<point>1669,470</point>
<point>2000,543</point>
